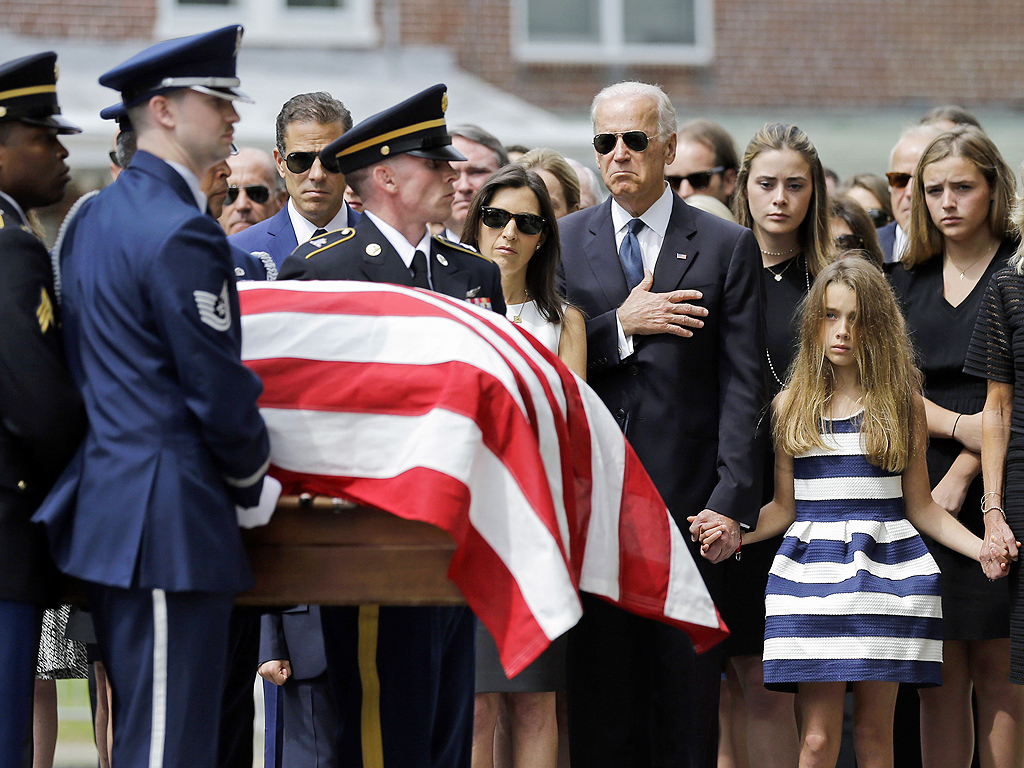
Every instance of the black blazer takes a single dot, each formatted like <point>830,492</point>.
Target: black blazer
<point>689,406</point>
<point>363,253</point>
<point>42,418</point>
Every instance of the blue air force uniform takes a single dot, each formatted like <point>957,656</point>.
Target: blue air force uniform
<point>146,512</point>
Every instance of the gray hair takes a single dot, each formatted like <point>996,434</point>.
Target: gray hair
<point>926,130</point>
<point>480,136</point>
<point>633,89</point>
<point>318,107</point>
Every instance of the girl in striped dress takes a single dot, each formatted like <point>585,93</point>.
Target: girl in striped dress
<point>853,594</point>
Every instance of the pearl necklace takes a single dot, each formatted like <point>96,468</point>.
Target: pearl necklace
<point>807,282</point>
<point>780,253</point>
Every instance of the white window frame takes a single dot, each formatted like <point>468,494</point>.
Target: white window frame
<point>612,49</point>
<point>272,23</point>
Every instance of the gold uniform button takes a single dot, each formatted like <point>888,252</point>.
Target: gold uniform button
<point>373,249</point>
<point>385,150</point>
<point>22,485</point>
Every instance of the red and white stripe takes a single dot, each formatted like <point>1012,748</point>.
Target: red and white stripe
<point>435,410</point>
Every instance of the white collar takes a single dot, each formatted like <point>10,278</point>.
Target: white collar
<point>304,228</point>
<point>405,249</point>
<point>656,217</point>
<point>193,183</point>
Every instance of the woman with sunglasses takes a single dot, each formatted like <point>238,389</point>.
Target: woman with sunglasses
<point>851,229</point>
<point>872,192</point>
<point>958,238</point>
<point>781,196</point>
<point>512,222</point>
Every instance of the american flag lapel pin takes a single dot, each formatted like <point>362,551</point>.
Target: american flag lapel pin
<point>681,256</point>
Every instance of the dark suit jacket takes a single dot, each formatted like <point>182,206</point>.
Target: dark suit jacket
<point>275,235</point>
<point>363,253</point>
<point>689,406</point>
<point>887,239</point>
<point>295,634</point>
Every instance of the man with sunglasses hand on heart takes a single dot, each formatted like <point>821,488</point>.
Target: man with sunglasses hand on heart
<point>675,344</point>
<point>255,191</point>
<point>306,124</point>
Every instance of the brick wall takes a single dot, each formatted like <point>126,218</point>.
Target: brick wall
<point>97,19</point>
<point>793,52</point>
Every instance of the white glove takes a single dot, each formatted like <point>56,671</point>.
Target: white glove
<point>251,517</point>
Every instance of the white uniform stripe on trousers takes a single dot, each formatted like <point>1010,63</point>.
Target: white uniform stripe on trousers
<point>158,728</point>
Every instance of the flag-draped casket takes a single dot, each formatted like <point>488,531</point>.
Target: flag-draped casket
<point>433,409</point>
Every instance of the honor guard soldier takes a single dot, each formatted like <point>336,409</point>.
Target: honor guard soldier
<point>41,414</point>
<point>419,659</point>
<point>147,514</point>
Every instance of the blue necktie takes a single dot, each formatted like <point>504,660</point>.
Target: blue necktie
<point>630,257</point>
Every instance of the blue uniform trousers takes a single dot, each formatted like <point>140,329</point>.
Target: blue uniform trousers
<point>165,654</point>
<point>403,680</point>
<point>19,639</point>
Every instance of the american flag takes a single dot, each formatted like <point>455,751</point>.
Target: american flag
<point>436,410</point>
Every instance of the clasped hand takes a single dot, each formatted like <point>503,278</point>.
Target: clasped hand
<point>719,536</point>
<point>644,312</point>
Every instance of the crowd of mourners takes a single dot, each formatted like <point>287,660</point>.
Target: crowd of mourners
<point>819,375</point>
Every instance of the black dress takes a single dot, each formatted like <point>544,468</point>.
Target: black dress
<point>747,578</point>
<point>997,353</point>
<point>973,608</point>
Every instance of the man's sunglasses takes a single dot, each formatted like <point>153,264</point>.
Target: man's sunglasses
<point>849,243</point>
<point>898,180</point>
<point>698,181</point>
<point>497,218</point>
<point>258,193</point>
<point>634,140</point>
<point>300,162</point>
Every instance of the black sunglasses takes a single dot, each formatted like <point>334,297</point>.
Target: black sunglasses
<point>879,217</point>
<point>898,180</point>
<point>634,140</point>
<point>258,193</point>
<point>849,242</point>
<point>527,223</point>
<point>697,181</point>
<point>113,158</point>
<point>300,162</point>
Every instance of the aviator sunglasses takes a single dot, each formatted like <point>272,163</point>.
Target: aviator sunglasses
<point>497,218</point>
<point>258,193</point>
<point>898,180</point>
<point>634,140</point>
<point>300,162</point>
<point>697,181</point>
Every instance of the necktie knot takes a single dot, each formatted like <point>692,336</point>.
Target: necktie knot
<point>319,231</point>
<point>635,225</point>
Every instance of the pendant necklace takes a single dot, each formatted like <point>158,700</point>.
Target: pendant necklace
<point>778,275</point>
<point>517,316</point>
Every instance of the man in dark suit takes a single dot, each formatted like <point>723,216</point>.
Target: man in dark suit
<point>402,676</point>
<point>903,162</point>
<point>148,513</point>
<point>316,195</point>
<point>41,414</point>
<point>675,349</point>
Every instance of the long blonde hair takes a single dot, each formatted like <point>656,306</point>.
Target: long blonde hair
<point>890,381</point>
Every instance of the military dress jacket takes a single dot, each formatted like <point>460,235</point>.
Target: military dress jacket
<point>175,440</point>
<point>41,415</point>
<point>363,253</point>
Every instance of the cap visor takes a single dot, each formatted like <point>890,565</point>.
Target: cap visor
<point>231,94</point>
<point>444,152</point>
<point>53,121</point>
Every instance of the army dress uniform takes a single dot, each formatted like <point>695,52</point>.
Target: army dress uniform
<point>403,677</point>
<point>146,515</point>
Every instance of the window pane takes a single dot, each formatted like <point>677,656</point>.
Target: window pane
<point>315,3</point>
<point>564,21</point>
<point>659,21</point>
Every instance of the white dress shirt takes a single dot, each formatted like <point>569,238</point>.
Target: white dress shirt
<point>406,250</point>
<point>304,228</point>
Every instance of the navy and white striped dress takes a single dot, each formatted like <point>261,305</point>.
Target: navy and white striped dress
<point>853,593</point>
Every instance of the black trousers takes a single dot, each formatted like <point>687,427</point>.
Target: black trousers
<point>639,696</point>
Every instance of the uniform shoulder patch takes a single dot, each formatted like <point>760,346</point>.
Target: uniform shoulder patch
<point>324,242</point>
<point>44,312</point>
<point>459,247</point>
<point>214,310</point>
